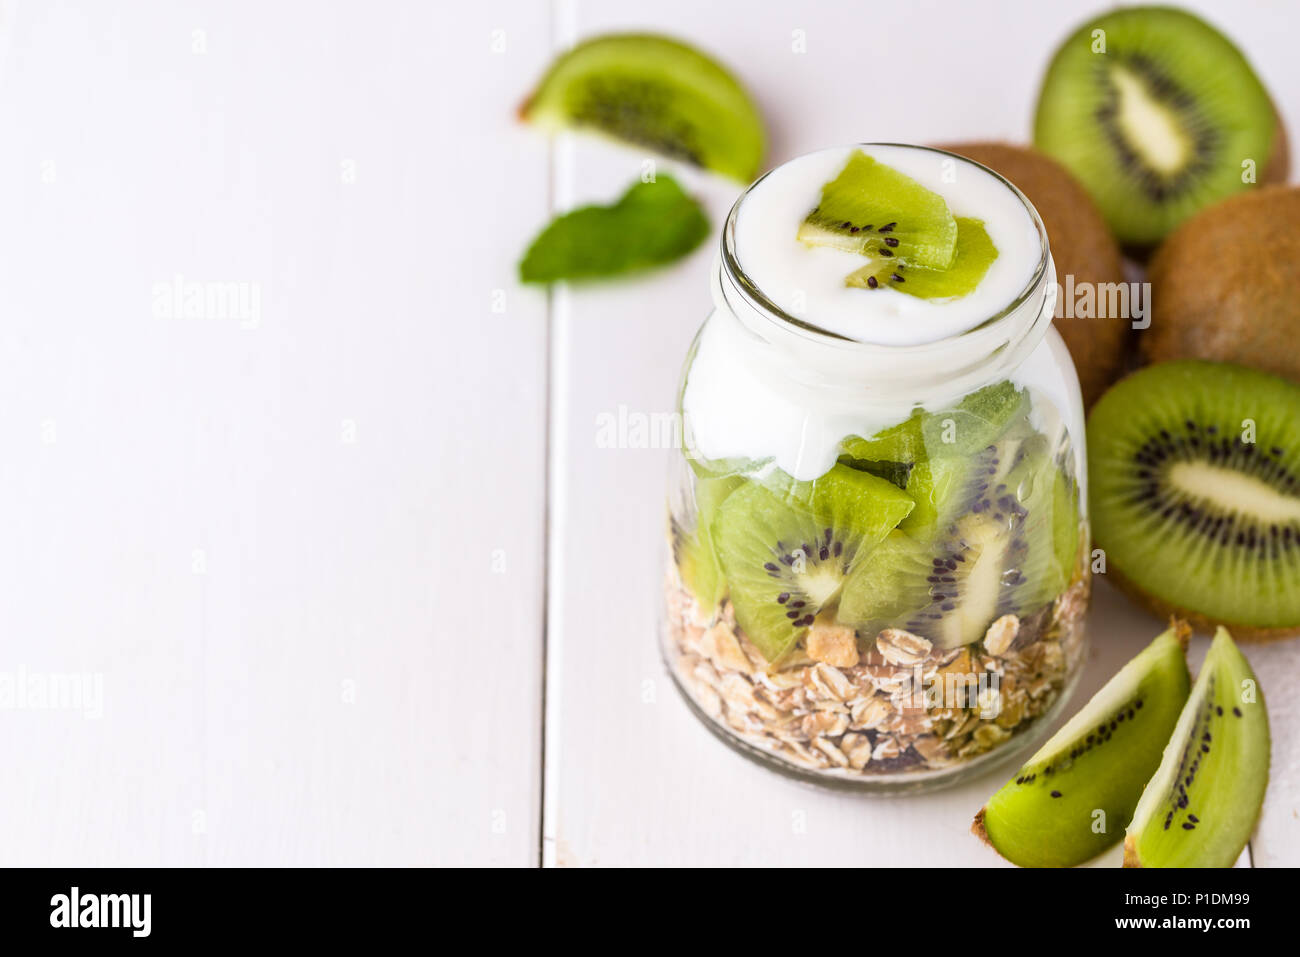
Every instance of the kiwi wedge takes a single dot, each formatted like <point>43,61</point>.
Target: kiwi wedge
<point>654,92</point>
<point>786,547</point>
<point>1155,111</point>
<point>1072,799</point>
<point>1200,807</point>
<point>873,209</point>
<point>1082,249</point>
<point>972,257</point>
<point>1247,308</point>
<point>1194,472</point>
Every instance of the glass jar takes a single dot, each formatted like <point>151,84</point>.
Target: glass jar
<point>877,564</point>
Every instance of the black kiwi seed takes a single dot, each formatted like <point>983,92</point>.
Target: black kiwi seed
<point>1056,794</point>
<point>871,281</point>
<point>885,252</point>
<point>887,228</point>
<point>891,241</point>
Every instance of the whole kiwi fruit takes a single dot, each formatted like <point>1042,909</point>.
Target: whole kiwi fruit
<point>1082,247</point>
<point>1226,285</point>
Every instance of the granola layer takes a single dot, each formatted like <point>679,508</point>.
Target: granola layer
<point>850,704</point>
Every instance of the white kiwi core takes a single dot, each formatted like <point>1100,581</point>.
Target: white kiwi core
<point>1149,127</point>
<point>1232,491</point>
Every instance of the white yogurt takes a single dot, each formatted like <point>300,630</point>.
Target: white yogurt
<point>808,282</point>
<point>761,389</point>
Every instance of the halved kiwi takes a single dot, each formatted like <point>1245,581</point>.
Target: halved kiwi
<point>1073,798</point>
<point>1194,470</point>
<point>872,209</point>
<point>1201,805</point>
<point>654,92</point>
<point>786,547</point>
<point>1155,112</point>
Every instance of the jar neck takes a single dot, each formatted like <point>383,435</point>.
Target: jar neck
<point>800,353</point>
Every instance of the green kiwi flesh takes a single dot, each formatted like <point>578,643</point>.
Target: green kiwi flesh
<point>654,92</point>
<point>1156,113</point>
<point>694,550</point>
<point>872,209</point>
<point>973,256</point>
<point>999,539</point>
<point>786,547</point>
<point>994,529</point>
<point>1072,799</point>
<point>1200,807</point>
<point>1194,474</point>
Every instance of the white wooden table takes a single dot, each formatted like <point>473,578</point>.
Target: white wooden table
<point>353,578</point>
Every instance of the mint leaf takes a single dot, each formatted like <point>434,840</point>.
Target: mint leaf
<point>651,224</point>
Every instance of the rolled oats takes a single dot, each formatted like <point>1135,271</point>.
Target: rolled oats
<point>886,748</point>
<point>898,703</point>
<point>857,747</point>
<point>900,647</point>
<point>720,646</point>
<point>870,713</point>
<point>998,639</point>
<point>829,683</point>
<point>828,748</point>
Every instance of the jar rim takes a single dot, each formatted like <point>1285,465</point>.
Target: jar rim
<point>765,307</point>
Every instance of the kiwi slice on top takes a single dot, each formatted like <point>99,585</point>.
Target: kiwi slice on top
<point>873,209</point>
<point>972,258</point>
<point>1155,112</point>
<point>786,547</point>
<point>654,92</point>
<point>1202,803</point>
<point>1194,474</point>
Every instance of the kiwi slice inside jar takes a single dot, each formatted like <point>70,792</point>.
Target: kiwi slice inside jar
<point>1156,113</point>
<point>1002,544</point>
<point>994,529</point>
<point>1194,483</point>
<point>786,547</point>
<point>657,93</point>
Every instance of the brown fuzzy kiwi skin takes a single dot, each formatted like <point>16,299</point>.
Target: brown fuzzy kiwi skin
<point>1246,634</point>
<point>1226,285</point>
<point>1130,852</point>
<point>1082,246</point>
